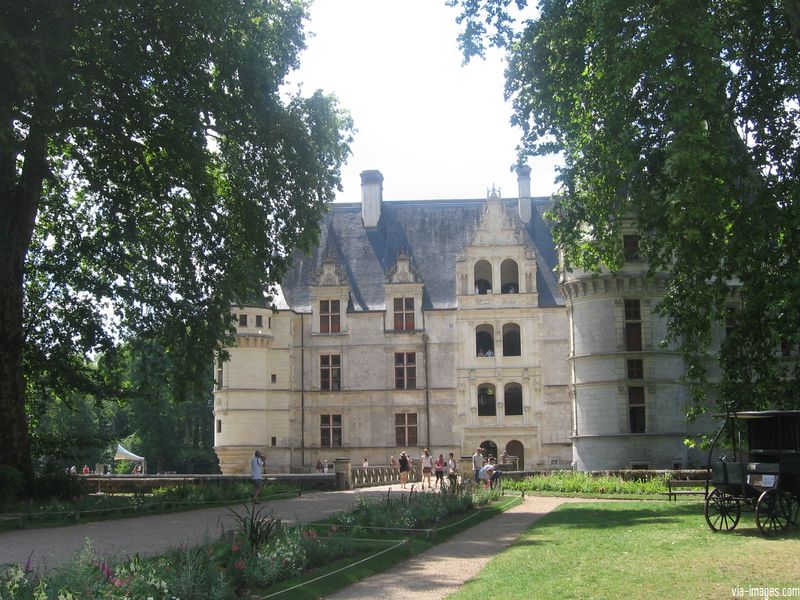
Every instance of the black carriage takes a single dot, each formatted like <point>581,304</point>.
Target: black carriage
<point>762,475</point>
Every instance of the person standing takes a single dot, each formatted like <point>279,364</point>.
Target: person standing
<point>403,462</point>
<point>477,463</point>
<point>438,470</point>
<point>257,474</point>
<point>426,461</point>
<point>452,469</point>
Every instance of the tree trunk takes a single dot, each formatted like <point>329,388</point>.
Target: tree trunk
<point>19,202</point>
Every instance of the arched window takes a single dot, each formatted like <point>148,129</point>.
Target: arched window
<point>489,449</point>
<point>512,399</point>
<point>487,400</point>
<point>484,340</point>
<point>511,345</point>
<point>483,277</point>
<point>509,277</point>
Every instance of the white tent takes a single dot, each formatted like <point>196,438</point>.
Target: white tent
<point>123,454</point>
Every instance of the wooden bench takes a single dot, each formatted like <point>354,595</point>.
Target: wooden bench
<point>685,487</point>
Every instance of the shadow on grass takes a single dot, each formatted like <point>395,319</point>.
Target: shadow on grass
<point>602,517</point>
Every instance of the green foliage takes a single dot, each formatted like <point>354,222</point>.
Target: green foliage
<point>678,119</point>
<point>253,524</point>
<point>585,483</point>
<point>157,172</point>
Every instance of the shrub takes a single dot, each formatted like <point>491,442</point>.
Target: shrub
<point>586,483</point>
<point>11,484</point>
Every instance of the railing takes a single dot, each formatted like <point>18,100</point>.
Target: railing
<point>381,475</point>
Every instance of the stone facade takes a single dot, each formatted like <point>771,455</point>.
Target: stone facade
<point>442,324</point>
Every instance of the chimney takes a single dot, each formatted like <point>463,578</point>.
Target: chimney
<point>371,197</point>
<point>524,186</point>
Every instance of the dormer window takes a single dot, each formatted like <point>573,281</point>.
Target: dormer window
<point>630,247</point>
<point>242,320</point>
<point>404,314</point>
<point>509,275</point>
<point>329,318</point>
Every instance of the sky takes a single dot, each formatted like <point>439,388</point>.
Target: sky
<point>434,128</point>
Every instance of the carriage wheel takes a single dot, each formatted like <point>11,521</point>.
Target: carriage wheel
<point>722,511</point>
<point>792,504</point>
<point>772,512</point>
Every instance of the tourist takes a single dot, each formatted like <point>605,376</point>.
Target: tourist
<point>257,474</point>
<point>319,466</point>
<point>477,463</point>
<point>487,474</point>
<point>85,469</point>
<point>504,457</point>
<point>438,470</point>
<point>426,461</point>
<point>489,353</point>
<point>404,468</point>
<point>365,463</point>
<point>452,469</point>
<point>392,461</point>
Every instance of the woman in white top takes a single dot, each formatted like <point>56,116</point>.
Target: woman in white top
<point>427,468</point>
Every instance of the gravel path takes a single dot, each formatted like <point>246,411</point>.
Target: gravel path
<point>151,535</point>
<point>444,568</point>
<point>434,574</point>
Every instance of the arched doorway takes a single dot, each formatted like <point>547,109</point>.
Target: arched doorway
<point>489,449</point>
<point>515,448</point>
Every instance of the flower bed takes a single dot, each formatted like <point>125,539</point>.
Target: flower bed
<point>256,555</point>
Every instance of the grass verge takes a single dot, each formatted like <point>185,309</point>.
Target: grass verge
<point>637,550</point>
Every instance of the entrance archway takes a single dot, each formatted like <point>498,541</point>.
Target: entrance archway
<point>489,449</point>
<point>515,448</point>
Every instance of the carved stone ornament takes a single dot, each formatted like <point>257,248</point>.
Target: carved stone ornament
<point>330,273</point>
<point>403,271</point>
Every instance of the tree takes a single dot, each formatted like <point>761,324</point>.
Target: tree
<point>685,116</point>
<point>153,169</point>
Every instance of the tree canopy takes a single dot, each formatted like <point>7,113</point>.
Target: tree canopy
<point>683,115</point>
<point>154,169</point>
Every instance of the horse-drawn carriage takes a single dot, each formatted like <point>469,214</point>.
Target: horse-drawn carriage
<point>765,478</point>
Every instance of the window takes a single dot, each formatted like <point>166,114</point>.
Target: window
<point>273,378</point>
<point>509,277</point>
<point>405,370</point>
<point>330,431</point>
<point>633,325</point>
<point>484,340</point>
<point>403,314</point>
<point>219,425</point>
<point>730,321</point>
<point>635,369</point>
<point>405,430</point>
<point>242,320</point>
<point>329,316</point>
<point>511,345</point>
<point>512,397</point>
<point>636,409</point>
<point>259,321</point>
<point>219,374</point>
<point>483,277</point>
<point>330,372</point>
<point>487,403</point>
<point>274,441</point>
<point>630,247</point>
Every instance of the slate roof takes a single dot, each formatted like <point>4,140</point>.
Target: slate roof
<point>432,232</point>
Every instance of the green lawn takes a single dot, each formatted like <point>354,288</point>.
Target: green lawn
<point>637,550</point>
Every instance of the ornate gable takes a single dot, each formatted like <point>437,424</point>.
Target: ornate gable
<point>330,274</point>
<point>403,271</point>
<point>497,227</point>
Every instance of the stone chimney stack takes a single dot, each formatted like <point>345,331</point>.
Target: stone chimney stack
<point>524,186</point>
<point>371,197</point>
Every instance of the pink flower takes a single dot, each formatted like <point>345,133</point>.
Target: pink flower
<point>333,529</point>
<point>239,564</point>
<point>234,547</point>
<point>118,582</point>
